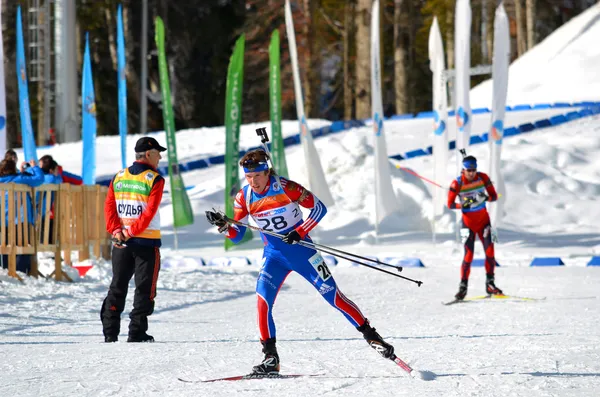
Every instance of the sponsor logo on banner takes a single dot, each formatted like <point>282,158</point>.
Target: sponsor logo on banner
<point>90,105</point>
<point>438,125</point>
<point>497,131</point>
<point>377,124</point>
<point>462,118</point>
<point>304,126</point>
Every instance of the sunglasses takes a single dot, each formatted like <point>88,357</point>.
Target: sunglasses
<point>250,164</point>
<point>471,170</point>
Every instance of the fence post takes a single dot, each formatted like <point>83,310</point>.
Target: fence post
<point>12,257</point>
<point>66,230</point>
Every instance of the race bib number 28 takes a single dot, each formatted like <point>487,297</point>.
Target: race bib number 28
<point>318,263</point>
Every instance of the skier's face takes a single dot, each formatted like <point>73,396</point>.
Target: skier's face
<point>258,180</point>
<point>470,173</point>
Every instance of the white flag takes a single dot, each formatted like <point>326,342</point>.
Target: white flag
<point>500,65</point>
<point>385,198</point>
<point>462,81</point>
<point>440,111</point>
<point>2,93</point>
<point>316,177</point>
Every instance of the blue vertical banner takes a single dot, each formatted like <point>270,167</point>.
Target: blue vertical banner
<point>29,147</point>
<point>122,82</point>
<point>88,118</point>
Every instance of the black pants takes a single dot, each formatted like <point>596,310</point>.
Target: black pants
<point>144,262</point>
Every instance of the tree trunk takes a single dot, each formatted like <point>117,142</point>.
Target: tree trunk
<point>112,45</point>
<point>521,44</point>
<point>311,80</point>
<point>489,38</point>
<point>348,31</point>
<point>530,11</point>
<point>485,26</point>
<point>450,34</point>
<point>399,61</point>
<point>363,63</point>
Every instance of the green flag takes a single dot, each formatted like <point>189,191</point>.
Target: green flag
<point>233,120</point>
<point>277,149</point>
<point>182,210</point>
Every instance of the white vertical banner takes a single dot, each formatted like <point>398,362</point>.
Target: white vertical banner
<point>440,116</point>
<point>316,178</point>
<point>2,93</point>
<point>462,62</point>
<point>462,83</point>
<point>385,198</point>
<point>500,63</point>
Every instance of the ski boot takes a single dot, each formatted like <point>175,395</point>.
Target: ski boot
<point>270,364</point>
<point>375,340</point>
<point>142,338</point>
<point>490,287</point>
<point>462,290</point>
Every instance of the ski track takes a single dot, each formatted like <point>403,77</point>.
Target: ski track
<point>485,348</point>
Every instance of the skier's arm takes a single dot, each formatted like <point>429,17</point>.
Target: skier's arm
<point>489,187</point>
<point>452,193</point>
<point>308,200</point>
<point>240,213</point>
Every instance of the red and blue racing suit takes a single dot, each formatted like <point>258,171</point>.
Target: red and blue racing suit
<point>277,209</point>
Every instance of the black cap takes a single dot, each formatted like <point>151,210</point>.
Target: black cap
<point>147,143</point>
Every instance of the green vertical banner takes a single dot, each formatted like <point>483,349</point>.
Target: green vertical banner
<point>233,120</point>
<point>277,149</point>
<point>182,209</point>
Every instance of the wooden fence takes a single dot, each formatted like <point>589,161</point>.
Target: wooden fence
<point>67,218</point>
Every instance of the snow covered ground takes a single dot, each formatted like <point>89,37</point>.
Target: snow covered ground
<point>204,323</point>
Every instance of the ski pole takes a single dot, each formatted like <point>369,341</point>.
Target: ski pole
<point>307,244</point>
<point>329,250</point>
<point>314,245</point>
<point>426,179</point>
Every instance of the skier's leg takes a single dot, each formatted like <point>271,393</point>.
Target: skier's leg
<point>311,265</point>
<point>270,279</point>
<point>465,269</point>
<point>485,235</point>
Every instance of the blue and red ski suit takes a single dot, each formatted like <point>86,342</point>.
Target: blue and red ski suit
<point>277,209</point>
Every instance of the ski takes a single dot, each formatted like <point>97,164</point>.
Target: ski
<point>503,297</point>
<point>401,364</point>
<point>493,297</point>
<point>246,377</point>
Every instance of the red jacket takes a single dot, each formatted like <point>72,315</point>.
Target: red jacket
<point>476,220</point>
<point>113,223</point>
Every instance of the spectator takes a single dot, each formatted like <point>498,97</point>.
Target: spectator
<point>67,177</point>
<point>9,174</point>
<point>51,176</point>
<point>12,155</point>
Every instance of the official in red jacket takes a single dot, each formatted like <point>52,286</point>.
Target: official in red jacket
<point>133,219</point>
<point>474,189</point>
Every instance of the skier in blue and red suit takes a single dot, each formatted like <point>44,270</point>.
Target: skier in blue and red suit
<point>471,186</point>
<point>274,204</point>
